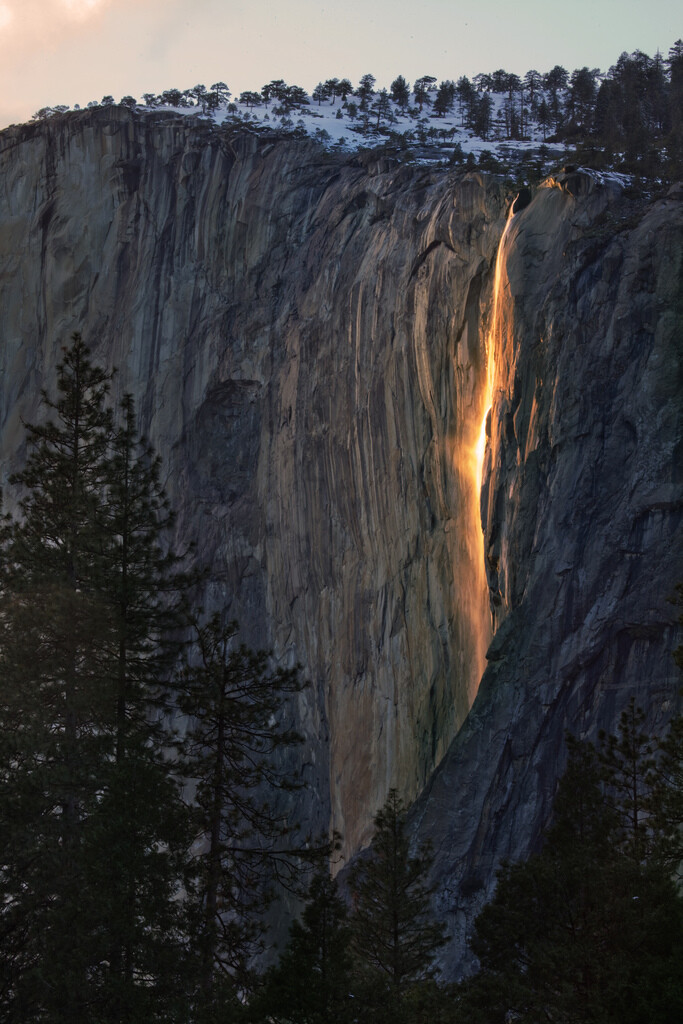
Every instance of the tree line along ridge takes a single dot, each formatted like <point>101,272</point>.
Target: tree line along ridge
<point>628,119</point>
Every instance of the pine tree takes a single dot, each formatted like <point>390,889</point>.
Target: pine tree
<point>591,928</point>
<point>627,763</point>
<point>91,823</point>
<point>312,982</point>
<point>236,706</point>
<point>675,135</point>
<point>395,939</point>
<point>138,836</point>
<point>54,638</point>
<point>667,802</point>
<point>400,91</point>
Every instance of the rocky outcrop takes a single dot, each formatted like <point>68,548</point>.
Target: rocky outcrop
<point>306,337</point>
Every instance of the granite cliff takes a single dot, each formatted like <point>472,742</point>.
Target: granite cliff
<point>314,342</point>
<point>581,504</point>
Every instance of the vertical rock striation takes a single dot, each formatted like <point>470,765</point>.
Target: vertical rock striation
<point>305,337</point>
<point>302,335</point>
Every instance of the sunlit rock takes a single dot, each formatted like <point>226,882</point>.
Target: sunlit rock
<point>303,335</point>
<point>331,354</point>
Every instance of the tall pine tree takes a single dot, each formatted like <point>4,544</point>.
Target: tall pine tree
<point>54,642</point>
<point>312,983</point>
<point>92,826</point>
<point>139,834</point>
<point>395,938</point>
<point>236,707</point>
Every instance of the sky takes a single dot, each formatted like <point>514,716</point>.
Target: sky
<point>75,51</point>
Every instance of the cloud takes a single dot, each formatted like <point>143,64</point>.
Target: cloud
<point>31,28</point>
<point>73,51</point>
<point>81,9</point>
<point>37,22</point>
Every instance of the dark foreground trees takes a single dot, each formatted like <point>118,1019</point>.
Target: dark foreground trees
<point>237,722</point>
<point>395,938</point>
<point>117,887</point>
<point>591,929</point>
<point>313,982</point>
<point>92,822</point>
<point>371,960</point>
<point>588,931</point>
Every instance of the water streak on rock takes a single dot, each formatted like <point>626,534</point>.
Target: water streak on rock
<point>491,337</point>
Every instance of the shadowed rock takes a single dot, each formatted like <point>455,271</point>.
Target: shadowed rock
<point>306,339</point>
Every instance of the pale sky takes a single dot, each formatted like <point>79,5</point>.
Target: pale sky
<point>73,51</point>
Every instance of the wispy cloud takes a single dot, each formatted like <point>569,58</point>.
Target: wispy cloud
<point>38,19</point>
<point>45,44</point>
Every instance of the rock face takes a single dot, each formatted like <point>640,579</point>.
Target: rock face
<point>302,337</point>
<point>306,336</point>
<point>582,503</point>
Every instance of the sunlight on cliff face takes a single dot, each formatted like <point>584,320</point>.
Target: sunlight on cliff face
<point>480,447</point>
<point>471,467</point>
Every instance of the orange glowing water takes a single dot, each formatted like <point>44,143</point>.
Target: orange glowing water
<point>474,592</point>
<point>480,446</point>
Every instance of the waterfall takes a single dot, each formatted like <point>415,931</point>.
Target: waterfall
<point>475,590</point>
<point>492,335</point>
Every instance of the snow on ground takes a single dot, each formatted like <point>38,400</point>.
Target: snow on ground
<point>332,124</point>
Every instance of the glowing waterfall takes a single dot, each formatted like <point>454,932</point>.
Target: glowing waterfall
<point>493,332</point>
<point>471,468</point>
